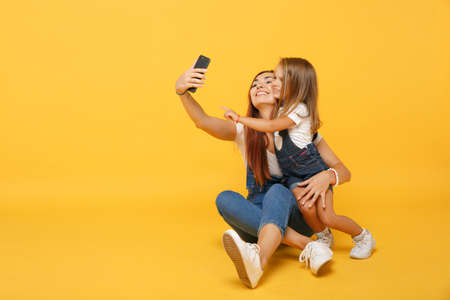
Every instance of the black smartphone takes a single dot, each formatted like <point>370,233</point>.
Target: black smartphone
<point>202,63</point>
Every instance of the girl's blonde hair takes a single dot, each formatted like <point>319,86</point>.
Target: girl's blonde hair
<point>299,86</point>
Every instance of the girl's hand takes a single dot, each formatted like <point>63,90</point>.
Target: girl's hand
<point>315,187</point>
<point>230,114</point>
<point>191,78</point>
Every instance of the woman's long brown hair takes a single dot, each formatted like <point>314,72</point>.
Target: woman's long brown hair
<point>299,86</point>
<point>256,144</point>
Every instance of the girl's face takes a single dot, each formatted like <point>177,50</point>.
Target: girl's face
<point>277,82</point>
<point>261,90</point>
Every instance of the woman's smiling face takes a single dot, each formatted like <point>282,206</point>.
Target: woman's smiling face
<point>261,89</point>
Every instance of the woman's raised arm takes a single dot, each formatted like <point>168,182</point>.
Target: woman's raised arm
<point>218,128</point>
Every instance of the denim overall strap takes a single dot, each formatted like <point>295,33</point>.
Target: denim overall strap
<point>250,181</point>
<point>314,136</point>
<point>289,148</point>
<point>286,139</point>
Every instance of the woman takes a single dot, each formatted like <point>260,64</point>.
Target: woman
<point>269,215</point>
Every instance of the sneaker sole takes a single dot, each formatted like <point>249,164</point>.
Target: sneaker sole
<point>233,252</point>
<point>321,265</point>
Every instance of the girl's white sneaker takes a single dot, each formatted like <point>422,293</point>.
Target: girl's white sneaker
<point>326,237</point>
<point>364,244</point>
<point>245,257</point>
<point>315,255</point>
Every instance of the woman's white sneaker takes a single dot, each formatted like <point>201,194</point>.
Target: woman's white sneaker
<point>364,244</point>
<point>315,255</point>
<point>245,257</point>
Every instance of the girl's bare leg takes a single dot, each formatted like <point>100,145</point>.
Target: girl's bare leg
<point>310,214</point>
<point>330,219</point>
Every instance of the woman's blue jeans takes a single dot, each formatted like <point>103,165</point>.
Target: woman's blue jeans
<point>276,205</point>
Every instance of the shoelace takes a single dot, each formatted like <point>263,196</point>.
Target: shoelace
<point>306,254</point>
<point>363,242</point>
<point>253,251</point>
<point>325,239</point>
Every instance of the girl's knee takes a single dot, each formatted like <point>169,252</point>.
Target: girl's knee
<point>328,219</point>
<point>308,211</point>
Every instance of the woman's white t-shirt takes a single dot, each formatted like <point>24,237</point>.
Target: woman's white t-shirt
<point>274,167</point>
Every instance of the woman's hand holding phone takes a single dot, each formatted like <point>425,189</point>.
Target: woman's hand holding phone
<point>192,78</point>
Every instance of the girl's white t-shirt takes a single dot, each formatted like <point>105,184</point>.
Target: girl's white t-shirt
<point>300,133</point>
<point>274,167</point>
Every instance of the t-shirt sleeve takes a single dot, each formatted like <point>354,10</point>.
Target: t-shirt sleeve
<point>317,138</point>
<point>300,112</point>
<point>239,139</point>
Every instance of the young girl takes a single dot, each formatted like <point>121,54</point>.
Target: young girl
<point>297,120</point>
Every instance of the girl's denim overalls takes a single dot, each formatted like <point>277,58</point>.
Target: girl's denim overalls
<point>298,164</point>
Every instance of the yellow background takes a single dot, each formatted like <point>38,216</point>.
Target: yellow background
<point>108,190</point>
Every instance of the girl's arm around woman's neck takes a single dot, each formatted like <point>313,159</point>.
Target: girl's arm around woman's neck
<point>269,126</point>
